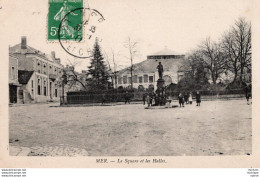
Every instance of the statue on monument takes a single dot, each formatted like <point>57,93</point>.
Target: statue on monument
<point>160,70</point>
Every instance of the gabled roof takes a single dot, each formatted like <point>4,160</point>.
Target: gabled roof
<point>30,50</point>
<point>150,66</point>
<point>165,51</point>
<point>24,76</point>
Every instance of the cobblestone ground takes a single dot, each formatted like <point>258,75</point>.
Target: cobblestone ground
<point>214,128</point>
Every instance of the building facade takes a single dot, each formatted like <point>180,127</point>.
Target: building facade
<point>38,73</point>
<point>145,74</point>
<point>13,79</point>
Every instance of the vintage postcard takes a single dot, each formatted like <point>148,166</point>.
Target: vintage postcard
<point>92,83</point>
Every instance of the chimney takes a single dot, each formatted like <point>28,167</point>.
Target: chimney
<point>57,60</point>
<point>53,55</point>
<point>23,42</point>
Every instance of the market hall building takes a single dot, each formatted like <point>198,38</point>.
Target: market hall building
<point>145,73</point>
<point>33,75</point>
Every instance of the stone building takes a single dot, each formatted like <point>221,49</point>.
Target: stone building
<point>38,73</point>
<point>145,74</point>
<point>13,79</point>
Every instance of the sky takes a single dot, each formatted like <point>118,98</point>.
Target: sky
<point>179,25</point>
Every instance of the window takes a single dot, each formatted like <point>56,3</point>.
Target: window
<point>124,79</point>
<point>135,79</point>
<point>39,90</point>
<point>141,88</point>
<point>180,76</point>
<point>140,79</point>
<point>32,83</point>
<point>39,87</point>
<point>44,69</point>
<point>44,89</point>
<point>12,73</point>
<point>151,87</point>
<point>145,78</point>
<point>129,80</point>
<point>150,79</point>
<point>119,80</point>
<point>39,67</point>
<point>56,93</point>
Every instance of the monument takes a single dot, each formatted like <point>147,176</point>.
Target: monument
<point>160,86</point>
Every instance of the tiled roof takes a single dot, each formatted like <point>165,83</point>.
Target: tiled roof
<point>30,50</point>
<point>165,51</point>
<point>150,66</point>
<point>24,76</point>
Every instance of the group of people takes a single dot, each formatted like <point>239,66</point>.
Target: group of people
<point>187,98</point>
<point>153,99</point>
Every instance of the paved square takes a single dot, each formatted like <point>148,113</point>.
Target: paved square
<point>214,128</point>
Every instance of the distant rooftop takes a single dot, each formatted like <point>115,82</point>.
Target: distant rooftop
<point>166,51</point>
<point>18,49</point>
<point>165,54</point>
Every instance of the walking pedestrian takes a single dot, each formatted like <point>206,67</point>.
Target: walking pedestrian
<point>148,99</point>
<point>144,98</point>
<point>186,97</point>
<point>181,100</point>
<point>198,99</point>
<point>248,93</point>
<point>190,98</point>
<point>127,97</point>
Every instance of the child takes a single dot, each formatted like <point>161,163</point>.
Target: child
<point>190,98</point>
<point>198,100</point>
<point>148,100</point>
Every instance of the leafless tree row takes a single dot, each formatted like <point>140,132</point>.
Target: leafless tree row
<point>231,55</point>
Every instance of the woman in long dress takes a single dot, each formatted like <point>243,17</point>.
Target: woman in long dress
<point>190,98</point>
<point>66,29</point>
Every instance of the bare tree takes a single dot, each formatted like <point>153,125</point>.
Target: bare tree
<point>73,77</point>
<point>112,67</point>
<point>195,73</point>
<point>229,48</point>
<point>213,59</point>
<point>109,67</point>
<point>132,47</point>
<point>115,66</point>
<point>237,46</point>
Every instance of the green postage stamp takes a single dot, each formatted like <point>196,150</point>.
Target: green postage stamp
<point>65,20</point>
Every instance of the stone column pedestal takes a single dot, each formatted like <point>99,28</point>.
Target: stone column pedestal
<point>161,92</point>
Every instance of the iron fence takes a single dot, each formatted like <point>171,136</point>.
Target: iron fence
<point>86,98</point>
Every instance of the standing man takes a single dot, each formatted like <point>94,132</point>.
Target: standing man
<point>127,98</point>
<point>181,100</point>
<point>144,97</point>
